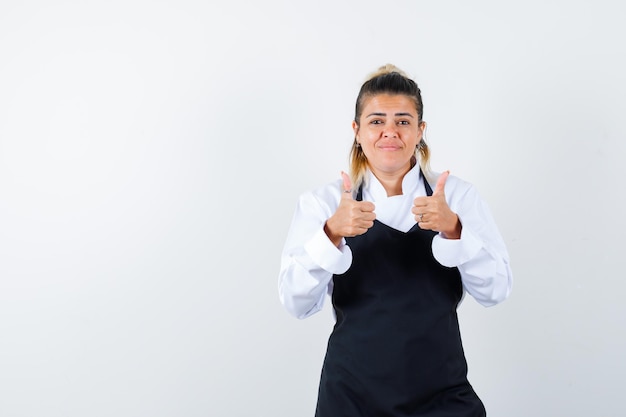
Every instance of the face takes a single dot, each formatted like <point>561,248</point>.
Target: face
<point>389,131</point>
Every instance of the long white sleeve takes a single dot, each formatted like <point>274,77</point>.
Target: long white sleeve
<point>480,255</point>
<point>309,259</point>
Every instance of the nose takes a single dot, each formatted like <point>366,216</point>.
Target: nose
<point>390,132</point>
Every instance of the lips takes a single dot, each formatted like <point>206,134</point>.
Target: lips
<point>389,147</point>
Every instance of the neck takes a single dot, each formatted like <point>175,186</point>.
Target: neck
<point>391,182</point>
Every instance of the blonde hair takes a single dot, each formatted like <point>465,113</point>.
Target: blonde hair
<point>387,79</point>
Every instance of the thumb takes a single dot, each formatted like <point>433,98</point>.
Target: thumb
<point>347,186</point>
<point>441,183</point>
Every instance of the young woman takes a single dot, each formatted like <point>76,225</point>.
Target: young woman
<point>395,246</point>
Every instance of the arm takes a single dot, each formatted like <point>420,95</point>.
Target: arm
<point>309,259</point>
<point>480,254</point>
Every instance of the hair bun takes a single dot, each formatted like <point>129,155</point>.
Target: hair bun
<point>386,69</point>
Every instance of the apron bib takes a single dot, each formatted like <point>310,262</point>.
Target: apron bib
<point>395,349</point>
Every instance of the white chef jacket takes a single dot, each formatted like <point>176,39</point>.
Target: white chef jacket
<point>309,259</point>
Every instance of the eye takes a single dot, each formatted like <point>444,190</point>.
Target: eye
<point>403,122</point>
<point>376,122</point>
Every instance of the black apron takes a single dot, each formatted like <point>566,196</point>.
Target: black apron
<point>395,349</point>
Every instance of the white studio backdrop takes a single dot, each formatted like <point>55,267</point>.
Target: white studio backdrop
<point>151,156</point>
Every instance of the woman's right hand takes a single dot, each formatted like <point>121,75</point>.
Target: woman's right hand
<point>352,217</point>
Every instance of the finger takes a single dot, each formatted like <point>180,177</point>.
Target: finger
<point>420,202</point>
<point>367,206</point>
<point>347,187</point>
<point>368,216</point>
<point>418,212</point>
<point>360,231</point>
<point>441,183</point>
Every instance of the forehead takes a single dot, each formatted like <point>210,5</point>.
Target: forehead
<point>389,103</point>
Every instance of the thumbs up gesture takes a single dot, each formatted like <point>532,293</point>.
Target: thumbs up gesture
<point>433,213</point>
<point>352,218</point>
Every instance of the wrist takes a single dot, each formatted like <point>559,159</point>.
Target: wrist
<point>335,239</point>
<point>455,231</point>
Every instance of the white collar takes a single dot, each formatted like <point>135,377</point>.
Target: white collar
<point>377,192</point>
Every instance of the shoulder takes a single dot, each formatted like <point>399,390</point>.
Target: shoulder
<point>325,197</point>
<point>461,195</point>
<point>330,191</point>
<point>453,183</point>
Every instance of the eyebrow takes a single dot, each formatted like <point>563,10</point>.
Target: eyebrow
<point>385,114</point>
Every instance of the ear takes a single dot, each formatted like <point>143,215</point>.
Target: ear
<point>355,127</point>
<point>422,128</point>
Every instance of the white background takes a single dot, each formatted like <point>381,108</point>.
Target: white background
<point>151,155</point>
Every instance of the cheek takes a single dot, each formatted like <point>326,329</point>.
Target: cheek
<point>371,132</point>
<point>365,136</point>
<point>414,135</point>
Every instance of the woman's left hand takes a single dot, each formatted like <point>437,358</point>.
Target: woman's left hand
<point>433,213</point>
